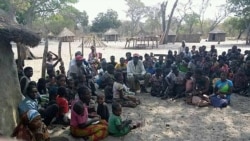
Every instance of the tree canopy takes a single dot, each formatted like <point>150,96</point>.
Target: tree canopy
<point>104,21</point>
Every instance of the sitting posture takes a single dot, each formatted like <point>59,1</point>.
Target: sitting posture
<point>63,105</point>
<point>222,92</point>
<point>31,127</point>
<point>82,124</point>
<point>119,95</point>
<point>157,83</point>
<point>102,108</point>
<point>116,126</point>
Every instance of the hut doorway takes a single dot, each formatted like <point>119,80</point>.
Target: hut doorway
<point>213,37</point>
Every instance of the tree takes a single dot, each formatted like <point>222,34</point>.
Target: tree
<point>29,10</point>
<point>183,9</point>
<point>191,20</point>
<point>169,22</point>
<point>163,15</point>
<point>242,10</point>
<point>135,12</point>
<point>153,22</point>
<point>203,8</point>
<point>220,16</point>
<point>104,21</point>
<point>125,28</point>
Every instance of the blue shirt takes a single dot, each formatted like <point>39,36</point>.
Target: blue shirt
<point>27,104</point>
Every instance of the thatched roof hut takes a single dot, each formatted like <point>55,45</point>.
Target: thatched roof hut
<point>217,35</point>
<point>66,35</point>
<point>10,31</point>
<point>9,85</point>
<point>111,35</point>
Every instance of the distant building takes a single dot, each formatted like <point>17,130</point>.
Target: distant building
<point>66,35</point>
<point>217,35</point>
<point>111,35</point>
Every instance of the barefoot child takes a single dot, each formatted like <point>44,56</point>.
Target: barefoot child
<point>116,126</point>
<point>119,95</point>
<point>102,108</point>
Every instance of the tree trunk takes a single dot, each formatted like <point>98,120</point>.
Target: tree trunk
<point>9,89</point>
<point>163,15</point>
<point>46,48</point>
<point>169,22</point>
<point>248,34</point>
<point>60,49</point>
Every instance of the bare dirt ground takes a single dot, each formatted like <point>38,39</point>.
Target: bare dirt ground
<point>166,120</point>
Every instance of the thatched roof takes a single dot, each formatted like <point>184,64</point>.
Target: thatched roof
<point>171,33</point>
<point>66,33</point>
<point>10,31</point>
<point>51,34</point>
<point>216,31</point>
<point>111,32</point>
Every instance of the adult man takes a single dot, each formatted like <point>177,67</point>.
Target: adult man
<point>80,69</point>
<point>24,81</point>
<point>136,72</point>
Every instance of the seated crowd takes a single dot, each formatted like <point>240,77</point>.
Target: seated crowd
<point>201,77</point>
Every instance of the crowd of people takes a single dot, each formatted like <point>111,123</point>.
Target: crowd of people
<point>201,77</point>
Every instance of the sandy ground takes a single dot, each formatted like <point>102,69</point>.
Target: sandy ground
<point>166,120</point>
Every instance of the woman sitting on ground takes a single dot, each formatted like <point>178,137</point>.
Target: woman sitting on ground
<point>31,127</point>
<point>81,123</point>
<point>222,92</point>
<point>200,92</point>
<point>240,82</point>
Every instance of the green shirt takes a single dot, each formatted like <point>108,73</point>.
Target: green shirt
<point>115,121</point>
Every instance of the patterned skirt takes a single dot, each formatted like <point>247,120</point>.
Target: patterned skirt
<point>94,132</point>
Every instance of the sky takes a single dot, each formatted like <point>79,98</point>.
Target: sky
<point>93,7</point>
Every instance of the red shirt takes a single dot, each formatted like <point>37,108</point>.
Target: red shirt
<point>63,105</point>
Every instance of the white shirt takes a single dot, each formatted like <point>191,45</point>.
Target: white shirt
<point>135,70</point>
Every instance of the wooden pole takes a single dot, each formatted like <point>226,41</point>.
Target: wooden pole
<point>46,47</point>
<point>82,46</point>
<point>70,51</point>
<point>19,59</point>
<point>60,49</point>
<point>94,41</point>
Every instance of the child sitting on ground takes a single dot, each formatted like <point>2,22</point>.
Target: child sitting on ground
<point>157,83</point>
<point>62,103</point>
<point>102,108</point>
<point>116,126</point>
<point>119,95</point>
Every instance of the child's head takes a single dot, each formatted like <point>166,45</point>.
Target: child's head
<point>78,108</point>
<point>41,82</point>
<point>62,92</point>
<point>118,76</point>
<point>188,75</point>
<point>84,94</point>
<point>100,98</point>
<point>116,109</point>
<point>158,71</point>
<point>61,80</point>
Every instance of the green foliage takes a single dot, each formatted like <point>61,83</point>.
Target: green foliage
<point>153,21</point>
<point>68,17</point>
<point>240,7</point>
<point>233,26</point>
<point>191,20</point>
<point>136,12</point>
<point>104,21</point>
